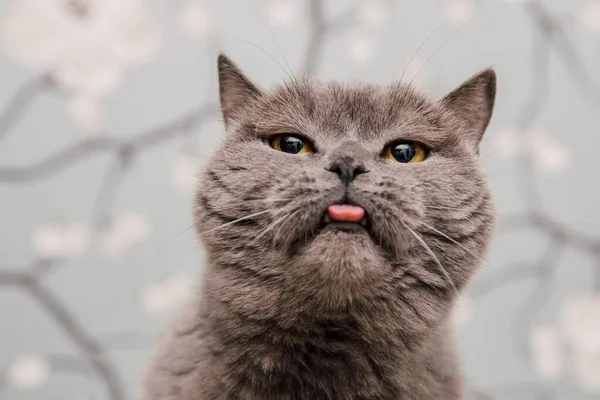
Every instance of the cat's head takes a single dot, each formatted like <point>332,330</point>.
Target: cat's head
<point>410,164</point>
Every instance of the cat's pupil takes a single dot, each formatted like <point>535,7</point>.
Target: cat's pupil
<point>291,144</point>
<point>404,152</point>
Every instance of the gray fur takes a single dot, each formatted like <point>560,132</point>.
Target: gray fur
<point>287,311</point>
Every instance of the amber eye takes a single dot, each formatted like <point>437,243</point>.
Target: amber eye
<point>292,144</point>
<point>405,152</point>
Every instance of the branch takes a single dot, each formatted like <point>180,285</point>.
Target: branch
<point>20,101</point>
<point>83,150</point>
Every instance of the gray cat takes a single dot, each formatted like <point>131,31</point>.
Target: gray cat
<point>341,222</point>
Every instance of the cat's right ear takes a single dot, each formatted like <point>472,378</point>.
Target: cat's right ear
<point>235,90</point>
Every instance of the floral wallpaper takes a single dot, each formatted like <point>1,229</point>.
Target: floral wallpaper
<point>108,107</point>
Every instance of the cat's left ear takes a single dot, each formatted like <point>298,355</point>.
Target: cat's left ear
<point>473,103</point>
<point>235,90</point>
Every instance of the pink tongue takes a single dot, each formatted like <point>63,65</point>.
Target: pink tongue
<point>345,212</point>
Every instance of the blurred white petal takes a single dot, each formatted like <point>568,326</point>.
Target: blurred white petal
<point>547,152</point>
<point>459,12</point>
<point>33,32</point>
<point>85,112</point>
<point>125,232</point>
<point>589,16</point>
<point>90,67</point>
<point>28,371</point>
<point>373,13</point>
<point>56,240</point>
<point>195,20</point>
<point>282,12</point>
<point>546,351</point>
<point>505,142</point>
<point>587,369</point>
<point>362,50</point>
<point>184,174</point>
<point>580,321</point>
<point>165,298</point>
<point>85,44</point>
<point>462,311</point>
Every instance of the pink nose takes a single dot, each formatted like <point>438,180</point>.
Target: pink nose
<point>345,212</point>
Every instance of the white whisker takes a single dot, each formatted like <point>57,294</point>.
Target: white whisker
<point>272,225</point>
<point>450,239</point>
<point>432,254</point>
<point>238,220</point>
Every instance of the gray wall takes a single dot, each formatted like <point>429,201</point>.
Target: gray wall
<point>103,120</point>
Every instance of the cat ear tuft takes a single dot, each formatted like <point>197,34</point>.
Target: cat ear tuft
<point>473,103</point>
<point>235,90</point>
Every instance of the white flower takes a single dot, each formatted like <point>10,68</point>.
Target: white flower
<point>184,173</point>
<point>587,369</point>
<point>462,311</point>
<point>589,17</point>
<point>195,20</point>
<point>547,152</point>
<point>362,50</point>
<point>85,44</point>
<point>85,112</point>
<point>282,12</point>
<point>163,299</point>
<point>505,142</point>
<point>125,232</point>
<point>28,371</point>
<point>372,13</point>
<point>459,12</point>
<point>546,351</point>
<point>60,240</point>
<point>580,321</point>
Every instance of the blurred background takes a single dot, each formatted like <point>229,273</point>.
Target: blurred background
<point>108,107</point>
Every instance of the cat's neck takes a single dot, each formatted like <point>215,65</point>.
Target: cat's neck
<point>355,353</point>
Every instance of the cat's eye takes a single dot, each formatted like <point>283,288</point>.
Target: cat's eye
<point>289,143</point>
<point>405,152</point>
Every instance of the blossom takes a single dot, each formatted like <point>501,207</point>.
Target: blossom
<point>459,12</point>
<point>462,311</point>
<point>195,19</point>
<point>587,369</point>
<point>580,321</point>
<point>85,112</point>
<point>60,240</point>
<point>372,13</point>
<point>546,351</point>
<point>282,12</point>
<point>28,371</point>
<point>589,17</point>
<point>86,45</point>
<point>184,173</point>
<point>362,50</point>
<point>547,152</point>
<point>124,232</point>
<point>163,298</point>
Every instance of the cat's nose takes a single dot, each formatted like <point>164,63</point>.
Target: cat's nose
<point>347,169</point>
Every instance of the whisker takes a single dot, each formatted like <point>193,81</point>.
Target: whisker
<point>432,254</point>
<point>238,220</point>
<point>423,43</point>
<point>264,51</point>
<point>433,55</point>
<point>272,225</point>
<point>450,239</point>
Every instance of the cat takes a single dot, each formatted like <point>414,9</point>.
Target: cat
<point>341,223</point>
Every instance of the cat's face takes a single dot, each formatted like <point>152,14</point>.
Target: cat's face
<point>290,154</point>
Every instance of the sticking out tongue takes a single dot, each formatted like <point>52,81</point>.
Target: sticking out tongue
<point>345,212</point>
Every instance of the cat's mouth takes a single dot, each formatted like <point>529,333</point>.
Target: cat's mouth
<point>345,217</point>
